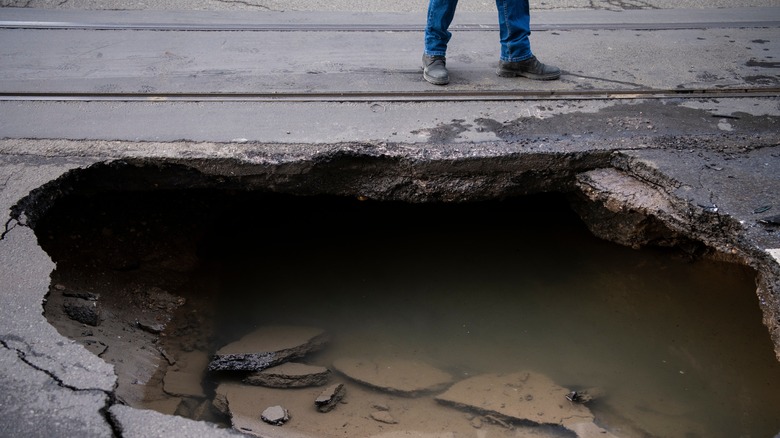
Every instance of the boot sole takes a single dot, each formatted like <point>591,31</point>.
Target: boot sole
<point>514,74</point>
<point>435,81</point>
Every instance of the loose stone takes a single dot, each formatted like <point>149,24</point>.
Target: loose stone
<point>275,415</point>
<point>83,311</point>
<point>403,377</point>
<point>290,375</point>
<point>154,328</point>
<point>267,347</point>
<point>331,397</point>
<point>383,417</point>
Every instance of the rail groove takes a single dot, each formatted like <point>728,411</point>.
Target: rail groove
<point>396,96</point>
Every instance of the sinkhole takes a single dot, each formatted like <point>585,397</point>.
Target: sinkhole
<point>155,278</point>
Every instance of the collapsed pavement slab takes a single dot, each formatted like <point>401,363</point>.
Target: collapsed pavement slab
<point>290,375</point>
<point>267,347</point>
<point>523,396</point>
<point>397,376</point>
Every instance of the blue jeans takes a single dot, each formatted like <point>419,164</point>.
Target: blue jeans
<point>514,21</point>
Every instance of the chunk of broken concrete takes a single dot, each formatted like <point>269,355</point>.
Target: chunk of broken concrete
<point>150,326</point>
<point>523,396</point>
<point>81,310</point>
<point>290,375</point>
<point>398,376</point>
<point>330,397</point>
<point>267,347</point>
<point>275,415</point>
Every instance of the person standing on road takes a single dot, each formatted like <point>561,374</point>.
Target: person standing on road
<point>516,56</point>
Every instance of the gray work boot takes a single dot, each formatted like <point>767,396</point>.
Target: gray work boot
<point>530,68</point>
<point>435,70</point>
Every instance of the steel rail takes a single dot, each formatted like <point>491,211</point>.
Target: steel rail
<point>368,27</point>
<point>395,96</point>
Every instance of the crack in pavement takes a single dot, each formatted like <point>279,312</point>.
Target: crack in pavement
<point>110,397</point>
<point>246,3</point>
<point>9,225</point>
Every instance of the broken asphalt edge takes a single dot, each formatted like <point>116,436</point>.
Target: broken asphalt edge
<point>80,385</point>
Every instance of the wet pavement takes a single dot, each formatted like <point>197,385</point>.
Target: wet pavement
<point>684,102</point>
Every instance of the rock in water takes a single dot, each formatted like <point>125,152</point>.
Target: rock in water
<point>331,397</point>
<point>267,347</point>
<point>383,417</point>
<point>523,396</point>
<point>398,376</point>
<point>290,375</point>
<point>275,415</point>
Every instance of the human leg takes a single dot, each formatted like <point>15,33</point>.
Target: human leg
<point>437,35</point>
<point>517,59</point>
<point>514,21</point>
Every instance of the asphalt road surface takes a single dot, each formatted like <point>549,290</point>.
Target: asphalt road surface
<point>372,5</point>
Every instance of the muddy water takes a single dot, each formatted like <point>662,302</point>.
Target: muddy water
<point>675,346</point>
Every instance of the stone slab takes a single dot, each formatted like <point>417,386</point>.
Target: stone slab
<point>290,375</point>
<point>398,376</point>
<point>523,396</point>
<point>267,347</point>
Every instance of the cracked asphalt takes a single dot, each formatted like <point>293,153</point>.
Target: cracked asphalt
<point>713,157</point>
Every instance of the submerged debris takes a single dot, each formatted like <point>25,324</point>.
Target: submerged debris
<point>384,417</point>
<point>290,375</point>
<point>504,398</point>
<point>267,347</point>
<point>398,376</point>
<point>275,415</point>
<point>579,397</point>
<point>331,397</point>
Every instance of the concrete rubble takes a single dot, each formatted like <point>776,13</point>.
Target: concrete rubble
<point>330,397</point>
<point>267,347</point>
<point>275,415</point>
<point>523,396</point>
<point>290,375</point>
<point>397,376</point>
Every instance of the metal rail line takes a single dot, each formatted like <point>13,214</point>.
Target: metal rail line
<point>397,96</point>
<point>368,27</point>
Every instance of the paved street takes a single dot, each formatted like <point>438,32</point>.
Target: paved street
<point>679,95</point>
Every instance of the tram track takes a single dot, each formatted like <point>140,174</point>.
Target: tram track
<point>369,27</point>
<point>397,96</point>
<point>166,23</point>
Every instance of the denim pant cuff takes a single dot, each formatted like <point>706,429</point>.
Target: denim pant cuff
<point>435,53</point>
<point>517,59</point>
